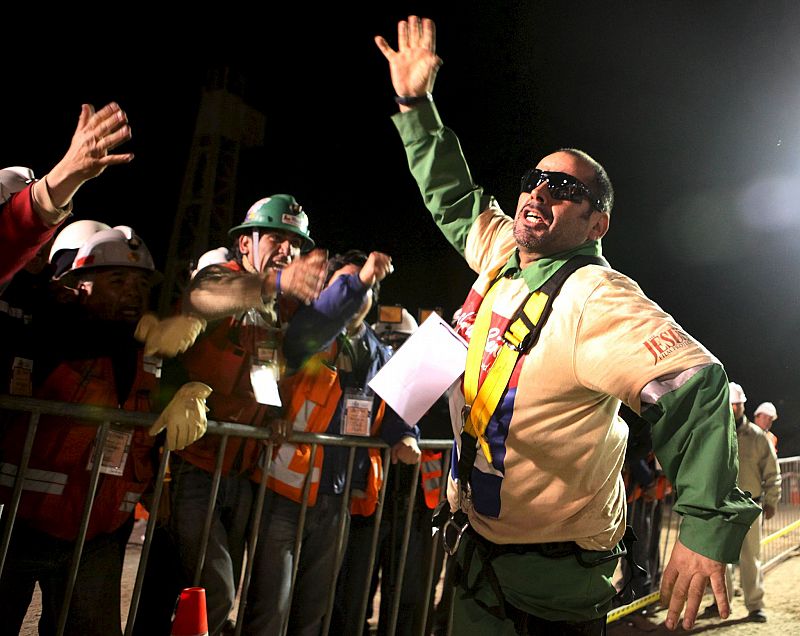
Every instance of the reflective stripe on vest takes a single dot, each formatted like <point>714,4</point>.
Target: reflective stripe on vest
<point>311,396</point>
<point>129,501</point>
<point>54,498</point>
<point>300,422</point>
<point>282,468</point>
<point>431,477</point>
<point>45,481</point>
<point>365,504</point>
<point>290,463</point>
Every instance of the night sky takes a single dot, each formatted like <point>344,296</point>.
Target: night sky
<point>693,108</point>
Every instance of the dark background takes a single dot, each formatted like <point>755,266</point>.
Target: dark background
<point>693,107</point>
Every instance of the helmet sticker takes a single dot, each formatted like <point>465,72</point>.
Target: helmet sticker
<point>290,219</point>
<point>84,261</point>
<point>252,213</point>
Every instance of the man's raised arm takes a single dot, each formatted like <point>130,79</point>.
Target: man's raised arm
<point>433,151</point>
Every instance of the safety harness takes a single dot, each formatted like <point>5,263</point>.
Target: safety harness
<point>481,400</point>
<point>519,338</point>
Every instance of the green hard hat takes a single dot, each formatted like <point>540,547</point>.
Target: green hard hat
<point>277,212</point>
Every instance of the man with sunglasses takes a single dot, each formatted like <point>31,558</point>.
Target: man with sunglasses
<point>557,340</point>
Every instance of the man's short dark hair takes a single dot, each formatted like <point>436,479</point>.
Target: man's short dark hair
<point>350,257</point>
<point>600,184</point>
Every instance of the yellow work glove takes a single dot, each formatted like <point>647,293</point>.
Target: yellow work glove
<point>168,337</point>
<point>185,416</point>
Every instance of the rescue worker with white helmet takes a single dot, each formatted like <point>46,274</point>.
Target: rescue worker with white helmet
<point>394,334</point>
<point>760,475</point>
<point>69,240</point>
<point>217,256</point>
<point>33,209</point>
<point>99,363</point>
<point>764,416</point>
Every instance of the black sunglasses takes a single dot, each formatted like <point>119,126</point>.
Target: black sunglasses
<point>561,186</point>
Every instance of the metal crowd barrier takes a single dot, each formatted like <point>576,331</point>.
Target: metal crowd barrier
<point>105,417</point>
<point>780,535</point>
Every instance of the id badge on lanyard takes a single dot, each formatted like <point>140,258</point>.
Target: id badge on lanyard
<point>115,450</point>
<point>265,367</point>
<point>357,415</point>
<point>21,374</point>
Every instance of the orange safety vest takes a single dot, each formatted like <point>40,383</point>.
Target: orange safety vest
<point>57,478</point>
<point>431,473</point>
<point>774,439</point>
<point>663,488</point>
<point>310,397</point>
<point>365,505</point>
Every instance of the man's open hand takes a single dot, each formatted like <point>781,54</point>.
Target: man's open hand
<point>684,582</point>
<point>414,64</point>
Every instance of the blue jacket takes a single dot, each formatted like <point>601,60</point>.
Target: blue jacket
<point>314,328</point>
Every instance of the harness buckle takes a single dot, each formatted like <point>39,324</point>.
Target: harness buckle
<point>452,531</point>
<point>465,415</point>
<point>523,345</point>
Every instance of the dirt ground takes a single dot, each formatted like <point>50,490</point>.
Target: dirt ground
<point>781,595</point>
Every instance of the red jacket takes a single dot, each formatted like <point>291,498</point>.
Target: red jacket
<point>22,233</point>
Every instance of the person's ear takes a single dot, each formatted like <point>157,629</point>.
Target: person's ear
<point>599,225</point>
<point>245,243</point>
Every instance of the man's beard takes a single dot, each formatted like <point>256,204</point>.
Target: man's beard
<point>527,239</point>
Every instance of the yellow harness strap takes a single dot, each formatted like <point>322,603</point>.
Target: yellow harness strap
<point>482,401</point>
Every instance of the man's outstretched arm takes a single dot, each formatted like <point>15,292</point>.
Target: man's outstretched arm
<point>694,439</point>
<point>29,219</point>
<point>433,151</point>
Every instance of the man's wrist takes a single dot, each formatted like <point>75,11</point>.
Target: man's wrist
<point>48,210</point>
<point>413,100</point>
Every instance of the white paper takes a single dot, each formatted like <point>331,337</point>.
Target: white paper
<point>422,369</point>
<point>263,379</point>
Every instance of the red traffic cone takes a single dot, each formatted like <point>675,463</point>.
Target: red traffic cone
<point>190,614</point>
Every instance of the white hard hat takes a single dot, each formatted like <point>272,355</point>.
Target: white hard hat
<point>767,408</point>
<point>75,234</point>
<point>406,326</point>
<point>118,247</point>
<point>13,180</point>
<point>212,257</point>
<point>737,393</point>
